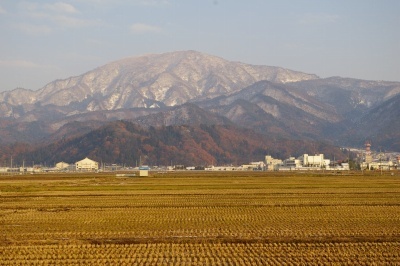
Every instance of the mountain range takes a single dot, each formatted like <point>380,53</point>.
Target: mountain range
<point>193,89</point>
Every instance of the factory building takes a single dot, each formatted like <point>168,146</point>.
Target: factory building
<point>303,162</point>
<point>272,164</point>
<point>87,165</point>
<point>317,161</point>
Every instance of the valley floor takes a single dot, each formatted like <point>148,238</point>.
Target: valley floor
<point>187,218</point>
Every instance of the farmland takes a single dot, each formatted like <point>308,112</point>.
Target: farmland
<point>189,218</point>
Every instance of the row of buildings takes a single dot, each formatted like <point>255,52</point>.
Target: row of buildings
<point>378,160</point>
<point>82,165</point>
<point>303,162</point>
<point>85,165</point>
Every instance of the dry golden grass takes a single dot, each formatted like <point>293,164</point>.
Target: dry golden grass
<point>189,218</point>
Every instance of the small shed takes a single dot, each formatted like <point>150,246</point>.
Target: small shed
<point>144,170</point>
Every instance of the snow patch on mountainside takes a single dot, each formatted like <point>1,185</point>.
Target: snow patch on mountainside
<point>271,109</point>
<point>171,78</point>
<point>237,111</point>
<point>112,100</point>
<point>161,93</point>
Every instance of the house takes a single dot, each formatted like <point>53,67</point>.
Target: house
<point>87,165</point>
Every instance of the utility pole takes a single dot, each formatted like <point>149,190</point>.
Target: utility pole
<point>380,160</point>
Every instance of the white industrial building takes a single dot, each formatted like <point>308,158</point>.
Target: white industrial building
<point>223,168</point>
<point>379,165</point>
<point>303,162</point>
<point>317,161</point>
<point>254,166</point>
<point>272,164</point>
<point>87,165</point>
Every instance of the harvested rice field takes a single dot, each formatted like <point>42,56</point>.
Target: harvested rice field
<point>200,218</point>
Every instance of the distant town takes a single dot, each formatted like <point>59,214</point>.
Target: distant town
<point>366,160</point>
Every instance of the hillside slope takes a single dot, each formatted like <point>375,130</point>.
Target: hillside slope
<point>381,125</point>
<point>125,142</point>
<point>276,110</point>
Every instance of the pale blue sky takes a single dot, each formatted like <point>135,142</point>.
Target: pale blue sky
<point>41,40</point>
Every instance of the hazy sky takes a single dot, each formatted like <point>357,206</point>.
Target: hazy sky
<point>41,40</point>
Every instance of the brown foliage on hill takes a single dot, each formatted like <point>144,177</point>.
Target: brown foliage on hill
<point>125,143</point>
